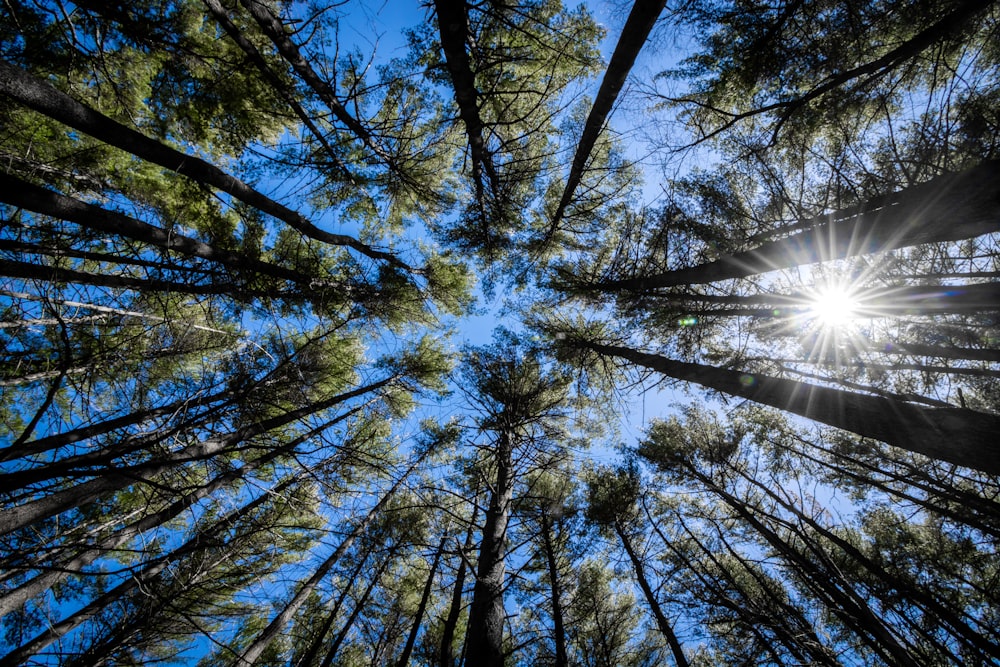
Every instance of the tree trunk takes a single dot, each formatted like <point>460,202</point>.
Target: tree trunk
<point>661,620</point>
<point>149,571</point>
<point>951,207</point>
<point>359,605</point>
<point>309,656</point>
<point>956,435</point>
<point>47,202</point>
<point>42,97</point>
<point>453,29</point>
<point>447,658</point>
<point>946,616</point>
<point>425,597</point>
<point>13,599</point>
<point>637,28</point>
<point>113,480</point>
<point>277,625</point>
<point>827,583</point>
<point>789,623</point>
<point>558,626</point>
<point>70,437</point>
<point>279,87</point>
<point>486,616</point>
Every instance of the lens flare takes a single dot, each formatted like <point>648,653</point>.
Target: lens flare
<point>833,307</point>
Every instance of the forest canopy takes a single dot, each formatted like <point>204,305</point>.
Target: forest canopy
<point>248,415</point>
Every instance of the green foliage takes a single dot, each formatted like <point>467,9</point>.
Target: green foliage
<point>248,379</point>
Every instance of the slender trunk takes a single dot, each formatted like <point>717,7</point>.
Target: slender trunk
<point>204,539</point>
<point>447,657</point>
<point>826,582</point>
<point>637,28</point>
<point>453,30</point>
<point>661,620</point>
<point>876,302</point>
<point>47,202</point>
<point>950,498</point>
<point>277,85</point>
<point>14,598</point>
<point>312,652</point>
<point>113,480</point>
<point>47,251</point>
<point>956,435</point>
<point>274,29</point>
<point>277,625</point>
<point>952,620</point>
<point>558,626</point>
<point>952,207</point>
<point>425,597</point>
<point>42,97</point>
<point>789,623</point>
<point>72,436</point>
<point>359,605</point>
<point>486,616</point>
<point>938,351</point>
<point>45,273</point>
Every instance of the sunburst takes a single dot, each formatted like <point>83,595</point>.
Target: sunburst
<point>834,307</point>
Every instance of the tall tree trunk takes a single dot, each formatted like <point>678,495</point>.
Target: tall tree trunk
<point>952,207</point>
<point>308,657</point>
<point>828,583</point>
<point>447,657</point>
<point>277,625</point>
<point>47,202</point>
<point>279,87</point>
<point>486,616</point>
<point>957,435</point>
<point>973,639</point>
<point>47,273</point>
<point>113,480</point>
<point>558,625</point>
<point>56,440</point>
<point>637,28</point>
<point>12,599</point>
<point>205,538</point>
<point>453,30</point>
<point>425,596</point>
<point>661,620</point>
<point>793,629</point>
<point>359,606</point>
<point>42,97</point>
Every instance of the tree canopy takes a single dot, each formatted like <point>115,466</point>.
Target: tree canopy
<point>249,414</point>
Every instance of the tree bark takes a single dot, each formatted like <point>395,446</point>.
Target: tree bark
<point>277,625</point>
<point>453,29</point>
<point>956,435</point>
<point>637,28</point>
<point>951,207</point>
<point>425,596</point>
<point>42,97</point>
<point>147,573</point>
<point>486,616</point>
<point>309,656</point>
<point>47,202</point>
<point>558,624</point>
<point>661,620</point>
<point>13,599</point>
<point>447,657</point>
<point>113,480</point>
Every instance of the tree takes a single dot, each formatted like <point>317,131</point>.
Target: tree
<point>237,237</point>
<point>612,495</point>
<point>521,406</point>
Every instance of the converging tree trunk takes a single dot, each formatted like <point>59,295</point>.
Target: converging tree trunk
<point>957,435</point>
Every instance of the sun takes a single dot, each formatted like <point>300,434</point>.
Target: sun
<point>833,307</point>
